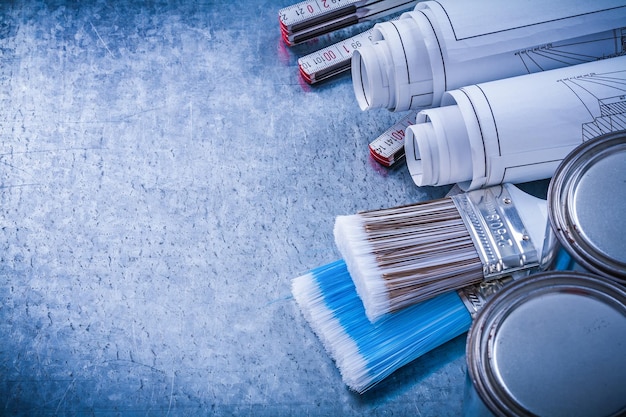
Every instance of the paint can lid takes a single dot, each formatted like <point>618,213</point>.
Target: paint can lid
<point>587,203</point>
<point>551,344</point>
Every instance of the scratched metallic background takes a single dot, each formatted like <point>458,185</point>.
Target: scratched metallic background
<point>164,174</point>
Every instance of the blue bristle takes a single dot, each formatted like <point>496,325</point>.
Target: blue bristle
<point>390,343</point>
<point>564,261</point>
<point>367,353</point>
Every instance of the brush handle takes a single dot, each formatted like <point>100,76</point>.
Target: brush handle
<point>475,296</point>
<point>493,217</point>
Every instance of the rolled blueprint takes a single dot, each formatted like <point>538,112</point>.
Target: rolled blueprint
<point>446,44</point>
<point>516,129</point>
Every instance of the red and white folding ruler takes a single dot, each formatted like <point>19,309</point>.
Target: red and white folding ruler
<point>388,148</point>
<point>332,60</point>
<point>312,18</point>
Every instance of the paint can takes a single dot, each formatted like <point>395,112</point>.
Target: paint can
<point>587,207</point>
<point>550,344</point>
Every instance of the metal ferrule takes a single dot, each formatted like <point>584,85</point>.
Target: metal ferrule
<point>475,296</point>
<point>497,231</point>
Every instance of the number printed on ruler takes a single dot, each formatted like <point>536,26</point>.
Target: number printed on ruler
<point>307,9</point>
<point>338,53</point>
<point>389,147</point>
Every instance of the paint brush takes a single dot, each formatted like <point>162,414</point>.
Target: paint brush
<point>404,255</point>
<point>367,353</point>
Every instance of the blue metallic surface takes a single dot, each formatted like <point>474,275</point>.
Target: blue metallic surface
<point>164,174</point>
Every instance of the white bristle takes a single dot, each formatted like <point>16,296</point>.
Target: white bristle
<point>403,255</point>
<point>367,353</point>
<point>323,321</point>
<point>352,242</point>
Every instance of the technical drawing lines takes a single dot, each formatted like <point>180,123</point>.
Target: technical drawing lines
<point>574,51</point>
<point>604,97</point>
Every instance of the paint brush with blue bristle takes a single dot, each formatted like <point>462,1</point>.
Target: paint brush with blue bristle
<point>367,353</point>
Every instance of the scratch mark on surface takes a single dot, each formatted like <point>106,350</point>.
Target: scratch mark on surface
<point>101,40</point>
<point>34,184</point>
<point>191,120</point>
<point>64,395</point>
<point>278,300</point>
<point>169,408</point>
<point>78,148</point>
<point>13,166</point>
<point>133,363</point>
<point>134,338</point>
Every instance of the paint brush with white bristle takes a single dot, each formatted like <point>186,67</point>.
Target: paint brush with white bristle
<point>401,256</point>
